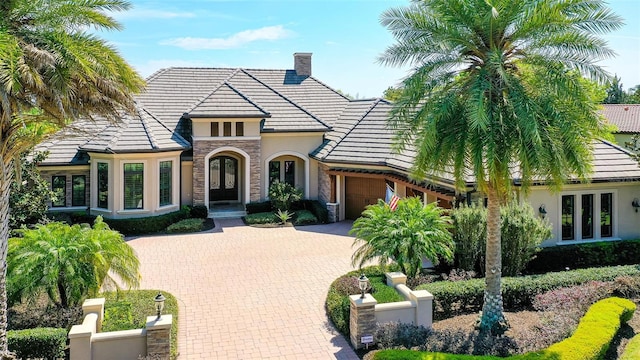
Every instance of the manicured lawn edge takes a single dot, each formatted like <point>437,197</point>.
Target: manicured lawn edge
<point>590,341</point>
<point>137,305</point>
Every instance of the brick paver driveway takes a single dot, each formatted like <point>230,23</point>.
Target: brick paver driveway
<point>248,293</point>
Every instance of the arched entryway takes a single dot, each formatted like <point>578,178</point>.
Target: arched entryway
<point>224,185</point>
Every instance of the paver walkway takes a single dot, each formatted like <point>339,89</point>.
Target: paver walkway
<point>249,293</point>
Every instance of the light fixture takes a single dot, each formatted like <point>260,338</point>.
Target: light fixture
<point>636,204</point>
<point>363,283</point>
<point>543,211</point>
<point>159,299</point>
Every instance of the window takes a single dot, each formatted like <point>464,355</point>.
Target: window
<point>165,183</point>
<point>240,129</point>
<point>290,172</point>
<point>568,204</point>
<point>274,172</point>
<point>606,215</point>
<point>78,193</point>
<point>103,185</point>
<point>227,128</point>
<point>215,129</point>
<point>59,187</point>
<point>587,216</point>
<point>133,185</point>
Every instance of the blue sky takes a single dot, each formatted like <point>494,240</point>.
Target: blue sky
<point>345,37</point>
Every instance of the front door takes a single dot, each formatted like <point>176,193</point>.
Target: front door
<point>223,179</point>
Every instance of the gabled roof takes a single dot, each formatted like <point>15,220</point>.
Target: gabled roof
<point>140,132</point>
<point>625,116</point>
<point>227,102</point>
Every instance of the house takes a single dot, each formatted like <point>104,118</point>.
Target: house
<point>221,136</point>
<point>626,119</point>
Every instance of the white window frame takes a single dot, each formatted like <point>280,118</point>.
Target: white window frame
<point>577,230</point>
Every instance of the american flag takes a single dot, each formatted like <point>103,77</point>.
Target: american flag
<point>391,198</point>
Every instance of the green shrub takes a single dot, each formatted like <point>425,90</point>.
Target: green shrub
<point>137,226</point>
<point>305,217</point>
<point>602,253</point>
<point>590,341</point>
<point>521,230</point>
<point>261,218</point>
<point>137,305</point>
<point>186,226</point>
<point>320,211</point>
<point>282,195</point>
<point>632,350</point>
<point>38,343</point>
<point>464,297</point>
<point>199,212</point>
<point>258,207</point>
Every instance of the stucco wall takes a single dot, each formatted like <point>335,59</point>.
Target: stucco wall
<point>47,173</point>
<point>626,220</point>
<point>202,127</point>
<point>186,187</point>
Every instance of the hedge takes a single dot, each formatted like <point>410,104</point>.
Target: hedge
<point>632,350</point>
<point>137,226</point>
<point>320,211</point>
<point>590,341</point>
<point>258,207</point>
<point>186,226</point>
<point>452,298</point>
<point>261,218</point>
<point>578,256</point>
<point>305,217</point>
<point>38,343</point>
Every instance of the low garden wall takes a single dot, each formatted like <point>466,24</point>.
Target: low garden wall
<point>366,313</point>
<point>87,342</point>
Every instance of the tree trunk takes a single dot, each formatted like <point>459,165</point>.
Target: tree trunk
<point>6,177</point>
<point>492,318</point>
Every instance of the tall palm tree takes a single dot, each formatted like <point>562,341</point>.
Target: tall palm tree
<point>49,60</point>
<point>495,93</point>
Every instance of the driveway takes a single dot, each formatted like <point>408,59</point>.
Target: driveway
<point>251,293</point>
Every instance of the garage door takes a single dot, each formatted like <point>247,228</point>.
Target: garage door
<point>360,192</point>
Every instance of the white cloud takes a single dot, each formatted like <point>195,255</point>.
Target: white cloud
<point>234,41</point>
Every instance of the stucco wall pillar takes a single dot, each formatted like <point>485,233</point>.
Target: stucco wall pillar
<point>159,336</point>
<point>362,320</point>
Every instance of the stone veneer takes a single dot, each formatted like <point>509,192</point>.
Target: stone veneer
<point>362,318</point>
<point>202,148</point>
<point>324,184</point>
<point>48,175</point>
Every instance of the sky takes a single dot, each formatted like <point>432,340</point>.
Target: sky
<point>345,37</point>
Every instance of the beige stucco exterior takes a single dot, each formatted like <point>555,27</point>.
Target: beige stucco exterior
<point>202,127</point>
<point>151,187</point>
<point>625,219</point>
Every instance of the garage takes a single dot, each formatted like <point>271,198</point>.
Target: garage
<point>360,192</point>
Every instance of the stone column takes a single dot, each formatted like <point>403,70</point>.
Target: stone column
<point>362,320</point>
<point>159,336</point>
<point>424,307</point>
<point>334,214</point>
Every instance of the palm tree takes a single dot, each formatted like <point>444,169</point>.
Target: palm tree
<point>50,61</point>
<point>496,94</point>
<point>405,235</point>
<point>69,263</point>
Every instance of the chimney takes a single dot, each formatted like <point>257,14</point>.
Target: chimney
<point>302,64</point>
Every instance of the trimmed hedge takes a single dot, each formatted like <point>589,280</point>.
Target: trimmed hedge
<point>186,226</point>
<point>602,253</point>
<point>465,297</point>
<point>320,211</point>
<point>304,217</point>
<point>590,341</point>
<point>137,226</point>
<point>261,218</point>
<point>258,207</point>
<point>632,350</point>
<point>38,343</point>
<point>199,211</point>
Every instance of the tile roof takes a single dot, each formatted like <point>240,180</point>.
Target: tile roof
<point>625,116</point>
<point>227,101</point>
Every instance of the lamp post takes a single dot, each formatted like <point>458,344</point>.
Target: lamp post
<point>363,283</point>
<point>159,299</point>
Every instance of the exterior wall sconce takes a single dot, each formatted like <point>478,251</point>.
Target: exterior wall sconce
<point>363,284</point>
<point>636,204</point>
<point>159,299</point>
<point>543,211</point>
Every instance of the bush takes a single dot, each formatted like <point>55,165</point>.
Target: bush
<point>186,226</point>
<point>589,342</point>
<point>395,334</point>
<point>261,218</point>
<point>632,350</point>
<point>282,195</point>
<point>627,287</point>
<point>320,211</point>
<point>137,226</point>
<point>576,298</point>
<point>39,343</point>
<point>521,230</point>
<point>258,207</point>
<point>135,305</point>
<point>305,217</point>
<point>602,253</point>
<point>199,212</point>
<point>464,297</point>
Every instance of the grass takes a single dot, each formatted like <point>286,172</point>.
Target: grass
<point>127,310</point>
<point>383,293</point>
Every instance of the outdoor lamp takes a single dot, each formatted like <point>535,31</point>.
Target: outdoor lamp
<point>363,283</point>
<point>636,204</point>
<point>543,211</point>
<point>159,299</point>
